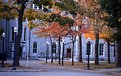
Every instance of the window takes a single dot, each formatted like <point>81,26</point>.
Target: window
<point>35,47</point>
<point>12,33</point>
<point>101,49</point>
<point>24,33</point>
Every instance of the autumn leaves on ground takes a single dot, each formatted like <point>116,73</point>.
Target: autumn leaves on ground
<point>80,65</point>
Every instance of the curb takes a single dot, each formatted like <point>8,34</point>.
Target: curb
<point>39,70</point>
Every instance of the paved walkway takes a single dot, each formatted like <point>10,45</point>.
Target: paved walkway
<point>50,74</point>
<point>35,66</point>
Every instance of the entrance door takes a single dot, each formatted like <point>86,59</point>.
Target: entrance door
<point>68,53</point>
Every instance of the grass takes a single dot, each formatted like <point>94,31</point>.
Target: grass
<point>79,65</point>
<point>114,73</point>
<point>8,65</point>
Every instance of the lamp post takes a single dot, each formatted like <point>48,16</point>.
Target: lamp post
<point>3,35</point>
<point>63,51</point>
<point>14,58</point>
<point>47,49</point>
<point>88,52</point>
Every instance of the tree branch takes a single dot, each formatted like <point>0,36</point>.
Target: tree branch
<point>20,1</point>
<point>15,8</point>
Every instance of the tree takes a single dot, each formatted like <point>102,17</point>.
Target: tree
<point>113,8</point>
<point>8,7</point>
<point>54,30</point>
<point>107,36</point>
<point>20,25</point>
<point>91,9</point>
<point>74,9</point>
<point>7,13</point>
<point>19,7</point>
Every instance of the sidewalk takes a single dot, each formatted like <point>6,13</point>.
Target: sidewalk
<point>34,65</point>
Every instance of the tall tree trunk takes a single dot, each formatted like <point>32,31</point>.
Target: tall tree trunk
<point>59,49</point>
<point>108,44</point>
<point>29,41</point>
<point>7,51</point>
<point>9,37</point>
<point>51,50</point>
<point>114,48</point>
<point>19,35</point>
<point>118,54</point>
<point>80,49</point>
<point>96,48</point>
<point>72,50</point>
<point>6,38</point>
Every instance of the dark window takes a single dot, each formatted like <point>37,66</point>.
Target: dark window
<point>24,33</point>
<point>35,47</point>
<point>68,50</point>
<point>101,49</point>
<point>12,33</point>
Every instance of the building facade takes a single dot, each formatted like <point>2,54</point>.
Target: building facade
<point>35,46</point>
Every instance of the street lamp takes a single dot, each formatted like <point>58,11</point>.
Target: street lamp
<point>63,51</point>
<point>88,52</point>
<point>14,58</point>
<point>3,35</point>
<point>47,49</point>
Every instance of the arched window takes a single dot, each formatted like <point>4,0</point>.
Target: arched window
<point>35,47</point>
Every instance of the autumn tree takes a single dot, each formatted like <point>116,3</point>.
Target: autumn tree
<point>18,6</point>
<point>97,20</point>
<point>74,9</point>
<point>105,33</point>
<point>54,30</point>
<point>113,8</point>
<point>7,13</point>
<point>107,36</point>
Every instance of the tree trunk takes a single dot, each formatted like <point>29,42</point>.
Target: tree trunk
<point>118,54</point>
<point>80,49</point>
<point>6,38</point>
<point>96,48</point>
<point>51,50</point>
<point>108,44</point>
<point>59,49</point>
<point>72,50</point>
<point>29,41</point>
<point>9,37</point>
<point>114,48</point>
<point>18,39</point>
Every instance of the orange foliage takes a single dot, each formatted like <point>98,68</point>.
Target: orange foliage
<point>105,33</point>
<point>53,30</point>
<point>56,30</point>
<point>90,4</point>
<point>78,20</point>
